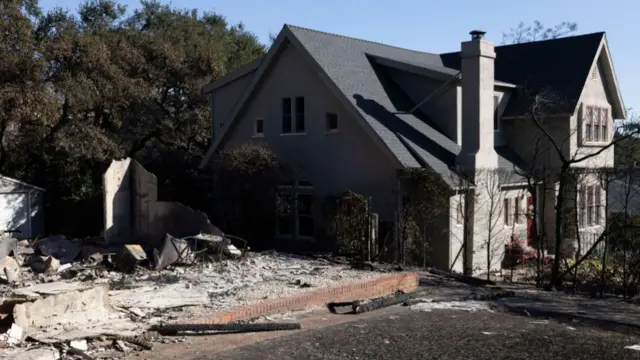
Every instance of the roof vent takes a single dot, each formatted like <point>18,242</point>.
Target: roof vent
<point>477,34</point>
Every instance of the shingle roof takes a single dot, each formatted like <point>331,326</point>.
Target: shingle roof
<point>413,138</point>
<point>560,65</point>
<point>358,68</point>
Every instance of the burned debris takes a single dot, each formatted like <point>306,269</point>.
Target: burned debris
<point>156,263</point>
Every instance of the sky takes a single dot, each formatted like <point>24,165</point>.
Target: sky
<point>434,26</point>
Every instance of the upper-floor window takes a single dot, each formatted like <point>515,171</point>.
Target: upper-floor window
<point>258,129</point>
<point>332,121</point>
<point>595,124</point>
<point>286,115</point>
<point>299,114</point>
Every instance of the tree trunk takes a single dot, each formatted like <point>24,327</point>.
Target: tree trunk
<point>555,269</point>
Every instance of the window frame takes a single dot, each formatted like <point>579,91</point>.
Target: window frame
<point>508,218</point>
<point>595,125</point>
<point>294,191</point>
<point>256,133</point>
<point>327,116</point>
<point>286,115</point>
<point>517,213</point>
<point>300,125</point>
<point>460,211</point>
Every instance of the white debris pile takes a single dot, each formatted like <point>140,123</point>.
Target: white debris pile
<point>452,305</point>
<point>93,302</point>
<point>228,283</point>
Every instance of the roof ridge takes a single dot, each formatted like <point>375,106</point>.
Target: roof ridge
<point>358,39</point>
<point>556,39</point>
<point>538,41</point>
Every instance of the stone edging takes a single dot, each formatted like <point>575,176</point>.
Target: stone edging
<point>379,286</point>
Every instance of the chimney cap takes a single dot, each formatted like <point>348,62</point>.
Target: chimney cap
<point>477,34</point>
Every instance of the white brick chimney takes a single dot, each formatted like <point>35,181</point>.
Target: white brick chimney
<point>478,58</point>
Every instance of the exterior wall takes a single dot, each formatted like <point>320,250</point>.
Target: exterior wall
<point>224,99</point>
<point>490,232</point>
<point>594,93</point>
<point>36,205</point>
<point>332,161</point>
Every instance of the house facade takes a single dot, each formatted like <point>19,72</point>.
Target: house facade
<point>346,113</point>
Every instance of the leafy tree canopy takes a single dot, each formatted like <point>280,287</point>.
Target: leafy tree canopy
<point>79,89</point>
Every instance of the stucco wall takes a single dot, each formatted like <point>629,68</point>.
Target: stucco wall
<point>223,100</point>
<point>490,232</point>
<point>332,161</point>
<point>593,94</point>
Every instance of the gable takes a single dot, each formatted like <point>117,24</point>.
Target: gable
<point>559,65</point>
<point>601,86</point>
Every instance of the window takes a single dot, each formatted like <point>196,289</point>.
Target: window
<point>519,216</point>
<point>604,123</point>
<point>582,206</point>
<point>332,121</point>
<point>299,114</point>
<point>590,205</point>
<point>496,119</point>
<point>295,210</point>
<point>459,211</point>
<point>596,124</point>
<point>588,125</point>
<point>286,115</point>
<point>508,220</point>
<point>259,128</point>
<point>598,205</point>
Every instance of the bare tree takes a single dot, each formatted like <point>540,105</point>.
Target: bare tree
<point>535,32</point>
<point>491,223</point>
<point>544,107</point>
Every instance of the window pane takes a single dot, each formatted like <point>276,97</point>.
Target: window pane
<point>305,226</point>
<point>299,114</point>
<point>596,133</point>
<point>284,225</point>
<point>284,204</point>
<point>286,115</point>
<point>259,126</point>
<point>507,212</point>
<point>587,133</point>
<point>332,121</point>
<point>305,203</point>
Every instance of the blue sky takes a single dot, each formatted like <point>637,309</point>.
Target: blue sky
<point>435,26</point>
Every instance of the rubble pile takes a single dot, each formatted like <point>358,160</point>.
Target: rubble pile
<point>69,296</point>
